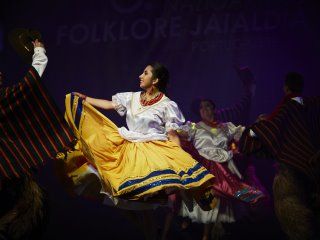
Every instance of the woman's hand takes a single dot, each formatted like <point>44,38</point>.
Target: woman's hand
<point>80,95</point>
<point>183,135</point>
<point>173,136</point>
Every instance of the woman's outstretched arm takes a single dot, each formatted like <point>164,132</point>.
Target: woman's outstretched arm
<point>99,103</point>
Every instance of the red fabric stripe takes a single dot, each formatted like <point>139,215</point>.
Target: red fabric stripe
<point>295,107</point>
<point>18,159</point>
<point>263,130</point>
<point>21,126</point>
<point>47,118</point>
<point>299,144</point>
<point>40,123</point>
<point>57,115</point>
<point>16,150</point>
<point>286,139</point>
<point>287,159</point>
<point>298,131</point>
<point>9,164</point>
<point>54,111</point>
<point>18,139</point>
<point>290,150</point>
<point>292,164</point>
<point>3,172</point>
<point>302,131</point>
<point>35,131</point>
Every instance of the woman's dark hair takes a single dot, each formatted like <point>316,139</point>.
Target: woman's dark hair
<point>195,105</point>
<point>161,72</point>
<point>294,82</point>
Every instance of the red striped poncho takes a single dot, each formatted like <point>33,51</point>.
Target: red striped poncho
<point>292,136</point>
<point>32,129</point>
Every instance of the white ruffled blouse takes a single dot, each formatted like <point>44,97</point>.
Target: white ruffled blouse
<point>147,123</point>
<point>212,143</point>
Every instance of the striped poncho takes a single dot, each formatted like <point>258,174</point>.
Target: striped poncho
<point>32,129</point>
<point>292,136</point>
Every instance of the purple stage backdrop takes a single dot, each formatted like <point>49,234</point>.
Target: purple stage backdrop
<point>100,48</point>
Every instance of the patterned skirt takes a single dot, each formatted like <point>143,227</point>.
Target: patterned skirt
<point>128,170</point>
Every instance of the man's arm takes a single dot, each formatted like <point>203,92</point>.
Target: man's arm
<point>249,142</point>
<point>39,58</point>
<point>39,62</point>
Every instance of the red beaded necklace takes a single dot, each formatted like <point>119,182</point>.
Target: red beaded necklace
<point>145,102</point>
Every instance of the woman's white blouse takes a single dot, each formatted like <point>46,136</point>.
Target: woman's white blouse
<point>147,123</point>
<point>212,143</point>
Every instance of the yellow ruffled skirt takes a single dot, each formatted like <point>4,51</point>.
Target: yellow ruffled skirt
<point>130,170</point>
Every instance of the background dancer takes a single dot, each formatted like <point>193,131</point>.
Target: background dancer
<point>24,144</point>
<point>290,134</point>
<point>212,146</point>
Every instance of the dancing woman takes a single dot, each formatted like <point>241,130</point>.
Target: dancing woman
<point>207,141</point>
<point>144,160</point>
<point>211,139</point>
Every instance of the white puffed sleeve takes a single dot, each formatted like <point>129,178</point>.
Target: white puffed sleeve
<point>39,60</point>
<point>121,102</point>
<point>234,132</point>
<point>173,117</point>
